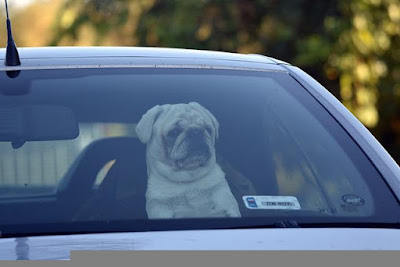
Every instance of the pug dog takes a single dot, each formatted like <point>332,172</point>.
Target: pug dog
<point>184,179</point>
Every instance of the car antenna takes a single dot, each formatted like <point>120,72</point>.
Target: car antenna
<point>12,56</point>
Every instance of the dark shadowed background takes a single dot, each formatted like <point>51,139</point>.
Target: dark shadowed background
<point>351,47</point>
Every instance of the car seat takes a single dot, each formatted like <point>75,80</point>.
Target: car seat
<point>121,194</point>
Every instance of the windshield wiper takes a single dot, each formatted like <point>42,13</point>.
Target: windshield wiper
<point>277,224</point>
<point>286,224</point>
<point>144,225</point>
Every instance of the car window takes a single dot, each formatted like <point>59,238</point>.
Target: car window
<point>182,143</point>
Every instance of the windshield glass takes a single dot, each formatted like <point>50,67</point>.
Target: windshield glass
<point>173,144</point>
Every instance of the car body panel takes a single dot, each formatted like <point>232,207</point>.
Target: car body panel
<point>81,55</point>
<point>125,57</point>
<point>110,51</point>
<point>132,62</point>
<point>59,247</point>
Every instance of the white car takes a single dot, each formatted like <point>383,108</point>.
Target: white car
<point>298,170</point>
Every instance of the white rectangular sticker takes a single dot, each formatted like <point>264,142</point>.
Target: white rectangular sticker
<point>271,202</point>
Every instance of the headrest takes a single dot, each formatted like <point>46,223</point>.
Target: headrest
<point>83,171</point>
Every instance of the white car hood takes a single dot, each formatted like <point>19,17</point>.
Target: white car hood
<point>59,247</point>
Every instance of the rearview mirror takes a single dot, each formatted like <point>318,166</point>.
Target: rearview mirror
<point>37,123</point>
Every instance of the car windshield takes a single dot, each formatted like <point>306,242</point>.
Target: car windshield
<point>136,146</point>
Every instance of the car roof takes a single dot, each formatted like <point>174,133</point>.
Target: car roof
<point>55,57</point>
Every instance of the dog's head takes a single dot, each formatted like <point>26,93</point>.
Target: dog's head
<point>181,136</point>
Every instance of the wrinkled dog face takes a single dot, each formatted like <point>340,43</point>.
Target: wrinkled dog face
<point>182,136</point>
<point>188,142</point>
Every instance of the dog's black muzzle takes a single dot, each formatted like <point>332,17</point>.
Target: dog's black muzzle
<point>198,149</point>
<point>197,143</point>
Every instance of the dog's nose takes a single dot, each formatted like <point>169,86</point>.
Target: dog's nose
<point>195,132</point>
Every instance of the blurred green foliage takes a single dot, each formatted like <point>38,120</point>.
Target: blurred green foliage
<point>351,47</point>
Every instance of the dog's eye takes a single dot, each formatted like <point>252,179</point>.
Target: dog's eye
<point>174,133</point>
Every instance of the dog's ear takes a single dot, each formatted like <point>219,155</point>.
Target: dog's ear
<point>214,122</point>
<point>211,117</point>
<point>144,128</point>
